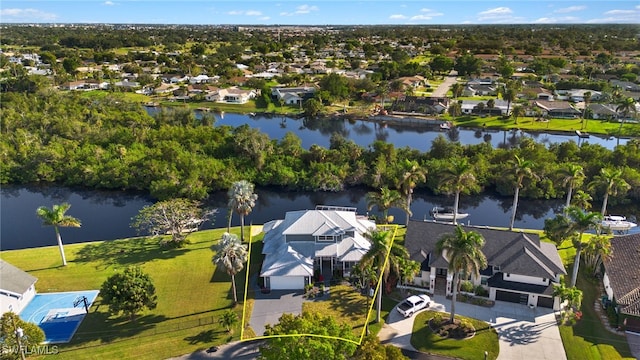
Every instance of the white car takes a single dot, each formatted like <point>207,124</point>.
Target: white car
<point>413,304</point>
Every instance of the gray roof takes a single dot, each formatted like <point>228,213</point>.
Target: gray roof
<point>623,270</point>
<point>295,258</point>
<point>15,280</point>
<point>515,252</point>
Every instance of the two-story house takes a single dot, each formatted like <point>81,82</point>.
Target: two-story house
<point>521,268</point>
<point>305,241</point>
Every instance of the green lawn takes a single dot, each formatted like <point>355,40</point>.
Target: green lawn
<point>588,339</point>
<point>192,294</point>
<point>425,340</point>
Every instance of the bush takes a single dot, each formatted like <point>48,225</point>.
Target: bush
<point>612,314</point>
<point>481,291</point>
<point>466,326</point>
<point>466,286</point>
<point>437,320</point>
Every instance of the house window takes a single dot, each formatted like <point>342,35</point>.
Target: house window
<point>496,268</point>
<point>483,280</point>
<point>325,238</point>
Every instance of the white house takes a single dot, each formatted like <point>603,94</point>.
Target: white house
<point>17,288</point>
<point>521,268</point>
<point>324,239</point>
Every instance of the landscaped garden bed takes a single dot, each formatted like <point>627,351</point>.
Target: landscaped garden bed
<point>458,329</point>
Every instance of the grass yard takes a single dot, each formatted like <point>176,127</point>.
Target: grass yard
<point>425,340</point>
<point>192,294</point>
<point>588,339</point>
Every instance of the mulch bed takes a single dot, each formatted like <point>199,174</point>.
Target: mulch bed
<point>452,331</point>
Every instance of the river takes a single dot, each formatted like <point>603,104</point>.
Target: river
<point>364,133</point>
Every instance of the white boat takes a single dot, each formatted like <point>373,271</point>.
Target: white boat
<point>584,135</point>
<point>446,125</point>
<point>440,213</point>
<point>617,223</point>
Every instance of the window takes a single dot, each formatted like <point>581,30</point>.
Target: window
<point>325,238</point>
<point>483,280</point>
<point>496,268</point>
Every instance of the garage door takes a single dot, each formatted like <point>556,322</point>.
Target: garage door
<point>545,302</point>
<point>511,296</point>
<point>287,282</point>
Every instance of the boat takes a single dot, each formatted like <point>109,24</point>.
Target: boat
<point>617,223</point>
<point>446,213</point>
<point>584,135</point>
<point>446,125</point>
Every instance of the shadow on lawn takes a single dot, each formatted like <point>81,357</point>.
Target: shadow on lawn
<point>205,337</point>
<point>126,252</point>
<point>101,326</point>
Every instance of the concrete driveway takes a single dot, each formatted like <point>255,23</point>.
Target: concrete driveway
<point>267,308</point>
<point>441,90</point>
<point>524,333</point>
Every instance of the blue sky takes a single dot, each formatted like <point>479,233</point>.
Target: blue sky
<point>345,12</point>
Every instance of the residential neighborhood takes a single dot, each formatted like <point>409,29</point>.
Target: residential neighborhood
<point>279,232</point>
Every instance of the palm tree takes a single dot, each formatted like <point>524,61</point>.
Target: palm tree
<point>572,295</point>
<point>518,111</point>
<point>456,89</point>
<point>582,200</point>
<point>572,176</point>
<point>411,174</point>
<point>579,222</point>
<point>231,254</point>
<point>626,107</point>
<point>242,200</point>
<point>458,178</point>
<point>612,179</point>
<point>509,92</point>
<point>597,249</point>
<point>385,200</point>
<point>463,251</point>
<point>408,269</point>
<point>587,99</point>
<point>56,217</point>
<point>522,169</point>
<point>383,255</point>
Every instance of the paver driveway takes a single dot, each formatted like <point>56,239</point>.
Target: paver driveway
<point>524,333</point>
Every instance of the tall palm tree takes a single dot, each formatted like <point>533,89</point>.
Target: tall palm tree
<point>231,254</point>
<point>579,222</point>
<point>522,169</point>
<point>518,111</point>
<point>572,176</point>
<point>458,178</point>
<point>242,200</point>
<point>456,89</point>
<point>383,255</point>
<point>408,269</point>
<point>611,179</point>
<point>56,217</point>
<point>626,107</point>
<point>587,99</point>
<point>597,249</point>
<point>385,200</point>
<point>463,251</point>
<point>509,92</point>
<point>411,173</point>
<point>582,200</point>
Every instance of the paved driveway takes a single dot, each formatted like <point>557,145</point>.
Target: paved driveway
<point>524,333</point>
<point>268,308</point>
<point>441,90</point>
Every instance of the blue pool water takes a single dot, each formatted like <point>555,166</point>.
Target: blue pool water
<point>56,314</point>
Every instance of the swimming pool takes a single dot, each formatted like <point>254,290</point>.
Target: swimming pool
<point>56,313</point>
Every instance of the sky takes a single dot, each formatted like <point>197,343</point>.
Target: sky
<point>328,12</point>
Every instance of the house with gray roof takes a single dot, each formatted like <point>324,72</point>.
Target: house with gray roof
<point>17,288</point>
<point>622,279</point>
<point>521,268</point>
<point>325,239</point>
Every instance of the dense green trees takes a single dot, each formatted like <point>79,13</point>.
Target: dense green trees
<point>110,143</point>
<point>18,337</point>
<point>129,292</point>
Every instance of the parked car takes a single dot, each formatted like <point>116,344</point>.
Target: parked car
<point>413,304</point>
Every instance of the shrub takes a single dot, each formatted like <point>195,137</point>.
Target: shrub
<point>437,319</point>
<point>612,314</point>
<point>466,286</point>
<point>466,326</point>
<point>481,291</point>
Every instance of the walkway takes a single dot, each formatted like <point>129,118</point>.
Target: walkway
<point>524,333</point>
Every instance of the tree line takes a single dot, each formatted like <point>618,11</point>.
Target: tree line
<point>110,143</point>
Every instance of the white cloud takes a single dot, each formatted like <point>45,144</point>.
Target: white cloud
<point>397,17</point>
<point>265,18</point>
<point>109,3</point>
<point>499,11</point>
<point>557,20</point>
<point>245,13</point>
<point>26,15</point>
<point>570,9</point>
<point>499,15</point>
<point>620,12</point>
<point>305,9</point>
<point>619,16</point>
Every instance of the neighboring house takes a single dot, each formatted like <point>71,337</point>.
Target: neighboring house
<point>521,268</point>
<point>325,239</point>
<point>422,105</point>
<point>292,95</point>
<point>577,95</point>
<point>499,108</point>
<point>555,109</point>
<point>603,112</point>
<point>622,279</point>
<point>413,81</point>
<point>232,95</point>
<point>17,288</point>
<point>625,85</point>
<point>479,90</point>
